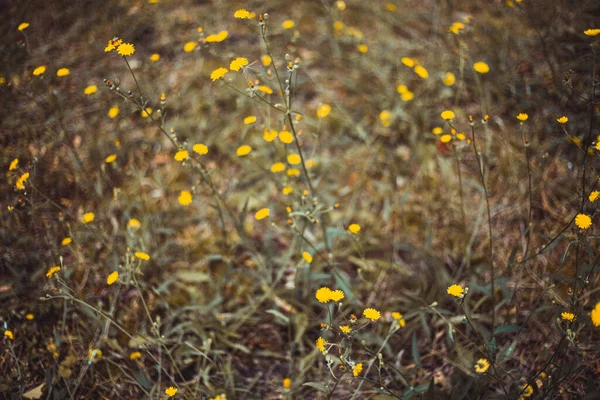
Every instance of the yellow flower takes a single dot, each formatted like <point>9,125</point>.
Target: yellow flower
<point>421,71</point>
<point>321,344</point>
<point>294,159</point>
<point>386,118</point>
<point>66,241</point>
<point>293,172</point>
<point>402,89</point>
<point>345,328</point>
<point>185,198</point>
<point>134,223</point>
<point>112,278</point>
<point>135,355</point>
<point>90,89</point>
<point>391,7</point>
<point>63,72</point>
<point>336,295</point>
<point>20,184</point>
<point>278,167</point>
<point>88,217</point>
<point>461,136</point>
<point>354,228</point>
<point>595,315</point>
<point>592,32</point>
<point>363,48</point>
<point>126,49</point>
<point>189,46</point>
<point>286,137</point>
<point>147,112</point>
<point>242,13</point>
<point>262,214</point>
<point>141,255</point>
<point>171,391</point>
<point>266,60</point>
<point>182,155</point>
<point>94,355</point>
<point>243,150</point>
<point>409,62</point>
<point>287,190</point>
<point>567,316</point>
<point>270,135</point>
<point>338,25</point>
<point>481,67</point>
<point>155,57</point>
<point>112,44</point>
<point>372,314</point>
<point>456,290</point>
<point>407,96</point>
<point>527,390</point>
<point>218,37</point>
<point>13,164</point>
<point>594,196</point>
<point>249,120</point>
<point>200,148</point>
<point>9,334</point>
<point>307,257</point>
<point>29,316</point>
<point>481,366</point>
<point>238,63</point>
<point>288,24</point>
<point>399,318</point>
<point>113,112</point>
<point>562,120</point>
<point>456,27</point>
<point>522,117</point>
<point>52,271</point>
<point>437,130</point>
<point>449,79</point>
<point>22,26</point>
<point>287,382</point>
<point>323,295</point>
<point>357,369</point>
<point>447,115</point>
<point>323,110</point>
<point>39,70</point>
<point>218,73</point>
<point>445,138</point>
<point>583,221</point>
<point>265,89</point>
<point>110,158</point>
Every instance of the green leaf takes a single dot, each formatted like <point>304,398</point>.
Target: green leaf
<point>343,283</point>
<point>508,351</point>
<point>317,385</point>
<point>493,347</point>
<point>415,350</point>
<point>278,315</point>
<point>506,328</point>
<point>193,276</point>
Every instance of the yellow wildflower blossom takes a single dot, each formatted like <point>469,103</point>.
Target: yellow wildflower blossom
<point>583,221</point>
<point>262,214</point>
<point>243,150</point>
<point>354,228</point>
<point>141,255</point>
<point>185,198</point>
<point>112,278</point>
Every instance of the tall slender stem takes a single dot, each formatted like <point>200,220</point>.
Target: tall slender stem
<point>489,215</point>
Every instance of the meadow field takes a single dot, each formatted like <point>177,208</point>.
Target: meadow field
<point>351,199</point>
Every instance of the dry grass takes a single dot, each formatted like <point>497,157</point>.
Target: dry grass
<point>226,305</point>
